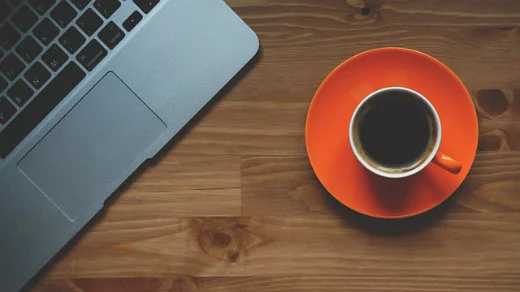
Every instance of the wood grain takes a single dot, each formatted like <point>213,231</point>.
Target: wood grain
<point>465,246</point>
<point>288,246</point>
<point>390,283</point>
<point>233,204</point>
<point>286,186</point>
<point>182,186</point>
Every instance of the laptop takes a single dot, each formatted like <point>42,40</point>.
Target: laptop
<point>89,90</point>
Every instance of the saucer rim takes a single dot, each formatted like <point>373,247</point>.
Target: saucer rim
<point>341,67</point>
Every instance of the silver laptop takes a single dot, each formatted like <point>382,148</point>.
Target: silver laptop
<point>89,90</point>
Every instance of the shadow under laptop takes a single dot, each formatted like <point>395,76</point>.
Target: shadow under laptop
<point>194,121</point>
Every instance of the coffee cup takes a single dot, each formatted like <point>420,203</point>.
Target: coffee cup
<point>395,132</point>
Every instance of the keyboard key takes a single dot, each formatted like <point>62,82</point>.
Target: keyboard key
<point>107,7</point>
<point>132,20</point>
<point>11,66</point>
<point>39,108</point>
<point>20,93</point>
<point>63,13</point>
<point>46,31</point>
<point>37,75</point>
<point>89,22</point>
<point>72,40</point>
<point>5,10</point>
<point>80,4</point>
<point>146,5</point>
<point>24,18</point>
<point>91,55</point>
<point>7,110</point>
<point>28,49</point>
<point>111,35</point>
<point>55,57</point>
<point>3,84</point>
<point>8,36</point>
<point>41,6</point>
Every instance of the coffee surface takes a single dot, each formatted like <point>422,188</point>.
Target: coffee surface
<point>395,128</point>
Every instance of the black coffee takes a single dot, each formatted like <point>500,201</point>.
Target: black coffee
<point>394,128</point>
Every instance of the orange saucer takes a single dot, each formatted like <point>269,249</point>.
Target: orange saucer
<point>327,139</point>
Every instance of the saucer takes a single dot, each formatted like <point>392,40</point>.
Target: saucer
<point>327,137</point>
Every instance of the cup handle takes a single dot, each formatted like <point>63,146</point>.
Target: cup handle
<point>447,163</point>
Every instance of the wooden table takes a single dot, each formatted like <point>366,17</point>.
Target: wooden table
<point>234,205</point>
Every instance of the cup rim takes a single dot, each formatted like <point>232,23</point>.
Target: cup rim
<point>419,167</point>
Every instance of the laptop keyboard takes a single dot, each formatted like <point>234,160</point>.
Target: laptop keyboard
<point>47,48</point>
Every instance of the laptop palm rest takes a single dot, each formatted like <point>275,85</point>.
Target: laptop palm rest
<point>91,148</point>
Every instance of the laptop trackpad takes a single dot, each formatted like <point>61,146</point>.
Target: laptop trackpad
<point>92,147</point>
